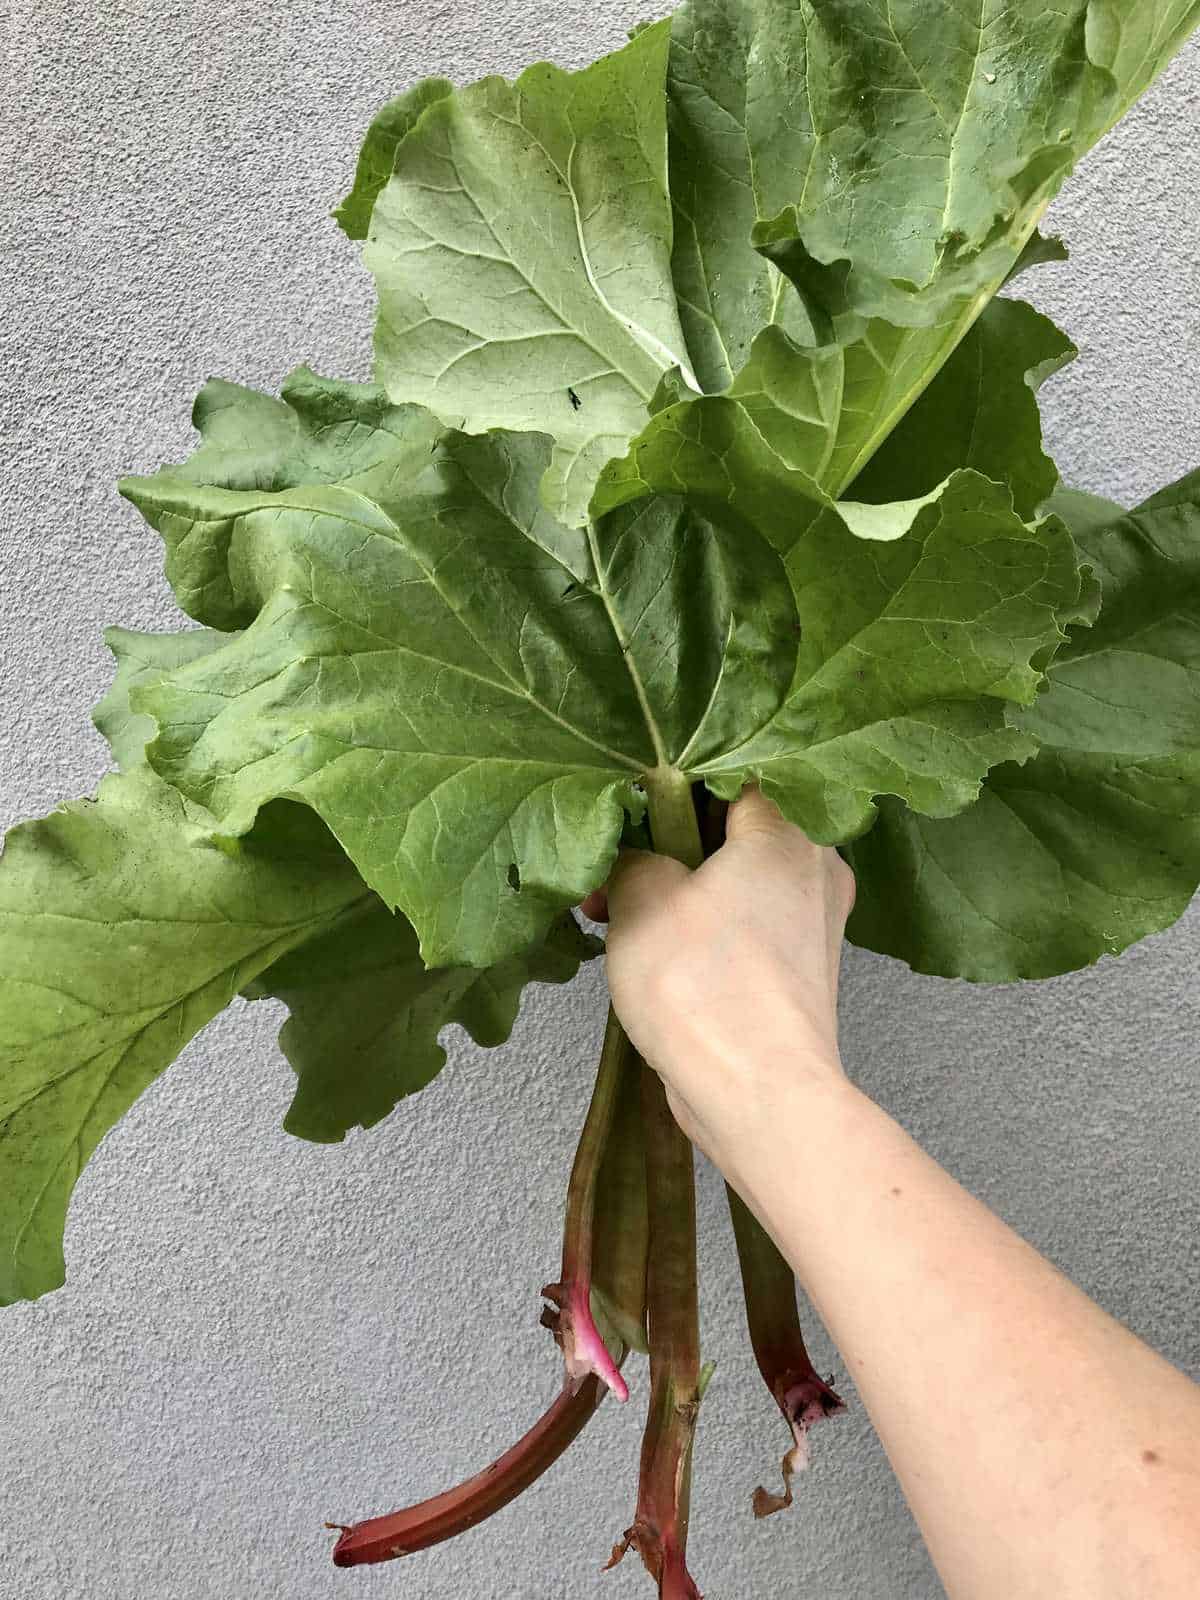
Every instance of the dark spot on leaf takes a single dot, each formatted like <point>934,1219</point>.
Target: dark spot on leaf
<point>514,876</point>
<point>576,402</point>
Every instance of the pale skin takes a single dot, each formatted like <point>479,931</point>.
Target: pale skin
<point>1044,1449</point>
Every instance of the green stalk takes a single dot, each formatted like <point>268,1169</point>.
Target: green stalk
<point>660,1527</point>
<point>672,816</point>
<point>621,1230</point>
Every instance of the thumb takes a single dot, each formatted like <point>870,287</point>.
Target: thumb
<point>639,882</point>
<point>754,815</point>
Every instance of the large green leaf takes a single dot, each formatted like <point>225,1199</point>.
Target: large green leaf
<point>892,159</point>
<point>122,932</point>
<point>366,1013</point>
<point>739,155</point>
<point>903,152</point>
<point>803,421</point>
<point>1096,841</point>
<point>318,433</point>
<point>522,253</point>
<point>471,695</point>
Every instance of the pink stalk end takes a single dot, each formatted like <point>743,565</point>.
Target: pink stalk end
<point>663,1559</point>
<point>605,1237</point>
<point>577,1336</point>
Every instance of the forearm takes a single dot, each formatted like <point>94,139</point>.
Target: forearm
<point>1043,1448</point>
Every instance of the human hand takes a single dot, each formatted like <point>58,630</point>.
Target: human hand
<point>726,978</point>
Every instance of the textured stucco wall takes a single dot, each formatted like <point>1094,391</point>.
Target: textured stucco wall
<point>258,1334</point>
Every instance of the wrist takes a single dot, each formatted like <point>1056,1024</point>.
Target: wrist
<point>755,1104</point>
<point>767,1157</point>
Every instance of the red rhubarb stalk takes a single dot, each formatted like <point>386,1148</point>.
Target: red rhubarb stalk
<point>660,1527</point>
<point>454,1511</point>
<point>801,1394</point>
<point>571,1319</point>
<point>616,1220</point>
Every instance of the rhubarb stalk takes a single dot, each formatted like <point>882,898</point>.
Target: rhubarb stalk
<point>606,1244</point>
<point>802,1396</point>
<point>622,1219</point>
<point>570,1317</point>
<point>660,1527</point>
<point>454,1511</point>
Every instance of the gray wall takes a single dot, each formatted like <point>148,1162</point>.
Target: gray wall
<point>258,1334</point>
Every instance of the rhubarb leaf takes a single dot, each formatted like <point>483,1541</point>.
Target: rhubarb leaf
<point>122,932</point>
<point>902,154</point>
<point>813,414</point>
<point>894,161</point>
<point>916,622</point>
<point>522,254</point>
<point>1096,841</point>
<point>534,273</point>
<point>366,1013</point>
<point>471,694</point>
<point>317,433</point>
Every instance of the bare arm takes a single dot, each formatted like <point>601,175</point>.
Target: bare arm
<point>1045,1451</point>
